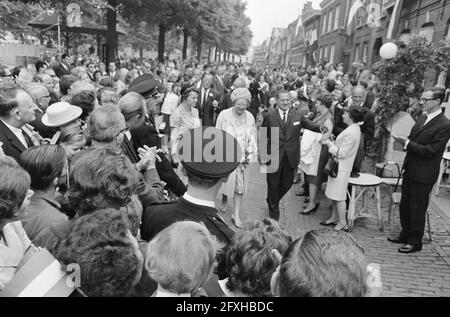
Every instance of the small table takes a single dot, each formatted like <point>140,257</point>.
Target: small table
<point>444,165</point>
<point>368,183</point>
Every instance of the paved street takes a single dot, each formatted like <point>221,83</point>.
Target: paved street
<point>426,273</point>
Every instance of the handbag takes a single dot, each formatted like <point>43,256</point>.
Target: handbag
<point>331,168</point>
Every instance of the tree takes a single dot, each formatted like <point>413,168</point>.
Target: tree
<point>14,16</point>
<point>397,77</point>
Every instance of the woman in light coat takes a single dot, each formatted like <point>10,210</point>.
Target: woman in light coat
<point>240,123</point>
<point>344,150</point>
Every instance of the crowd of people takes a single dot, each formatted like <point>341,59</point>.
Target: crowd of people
<point>91,170</point>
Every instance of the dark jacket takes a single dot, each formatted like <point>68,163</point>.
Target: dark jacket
<point>207,113</point>
<point>43,130</point>
<point>11,144</point>
<point>426,148</point>
<point>288,143</point>
<point>60,71</point>
<point>148,135</point>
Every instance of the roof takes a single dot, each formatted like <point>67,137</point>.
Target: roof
<point>50,22</point>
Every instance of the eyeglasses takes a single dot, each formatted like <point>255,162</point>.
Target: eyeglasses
<point>123,130</point>
<point>48,96</point>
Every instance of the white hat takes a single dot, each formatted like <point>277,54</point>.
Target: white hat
<point>61,113</point>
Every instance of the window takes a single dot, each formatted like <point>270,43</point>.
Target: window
<point>321,53</point>
<point>427,31</point>
<point>330,20</point>
<point>324,24</point>
<point>357,53</point>
<point>332,53</point>
<point>337,17</point>
<point>325,52</point>
<point>365,52</point>
<point>447,31</point>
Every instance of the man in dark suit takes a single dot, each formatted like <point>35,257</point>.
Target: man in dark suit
<point>425,147</point>
<point>205,177</point>
<point>282,152</point>
<point>16,110</point>
<point>218,84</point>
<point>367,128</point>
<point>208,102</point>
<point>63,68</point>
<point>148,134</point>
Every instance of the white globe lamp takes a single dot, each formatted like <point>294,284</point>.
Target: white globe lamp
<point>388,51</point>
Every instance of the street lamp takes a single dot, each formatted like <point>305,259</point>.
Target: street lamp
<point>388,51</point>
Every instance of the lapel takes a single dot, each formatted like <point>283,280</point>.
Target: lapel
<point>14,141</point>
<point>289,118</point>
<point>130,149</point>
<point>423,127</point>
<point>280,121</point>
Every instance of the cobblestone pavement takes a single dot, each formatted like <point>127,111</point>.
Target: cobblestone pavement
<point>426,273</point>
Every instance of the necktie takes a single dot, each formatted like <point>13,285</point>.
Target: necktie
<point>284,116</point>
<point>27,139</point>
<point>204,98</point>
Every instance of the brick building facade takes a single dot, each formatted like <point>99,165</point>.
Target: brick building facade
<point>332,30</point>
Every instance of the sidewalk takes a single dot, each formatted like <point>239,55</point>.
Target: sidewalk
<point>426,273</point>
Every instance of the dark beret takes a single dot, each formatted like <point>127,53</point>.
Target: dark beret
<point>145,85</point>
<point>208,152</point>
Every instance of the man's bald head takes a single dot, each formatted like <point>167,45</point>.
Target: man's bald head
<point>358,95</point>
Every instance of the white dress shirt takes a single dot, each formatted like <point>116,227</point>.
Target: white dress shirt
<point>18,133</point>
<point>200,202</point>
<point>281,112</point>
<point>432,115</point>
<point>204,96</point>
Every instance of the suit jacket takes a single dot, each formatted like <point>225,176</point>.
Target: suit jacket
<point>426,148</point>
<point>148,135</point>
<point>43,130</point>
<point>60,71</point>
<point>157,217</point>
<point>207,113</point>
<point>288,143</point>
<point>11,144</point>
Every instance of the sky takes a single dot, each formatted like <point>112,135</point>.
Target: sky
<point>267,14</point>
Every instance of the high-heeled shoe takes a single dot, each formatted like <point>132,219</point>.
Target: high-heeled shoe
<point>235,223</point>
<point>309,210</point>
<point>340,227</point>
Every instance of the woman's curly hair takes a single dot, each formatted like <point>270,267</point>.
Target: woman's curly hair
<point>101,178</point>
<point>100,243</point>
<point>250,262</point>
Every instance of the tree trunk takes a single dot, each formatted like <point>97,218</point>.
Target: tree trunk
<point>141,52</point>
<point>185,43</point>
<point>219,55</point>
<point>111,39</point>
<point>161,42</point>
<point>209,55</point>
<point>234,58</point>
<point>199,49</point>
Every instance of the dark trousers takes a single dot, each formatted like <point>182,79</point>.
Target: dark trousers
<point>413,209</point>
<point>278,184</point>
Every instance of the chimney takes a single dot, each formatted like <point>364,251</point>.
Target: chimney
<point>308,6</point>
